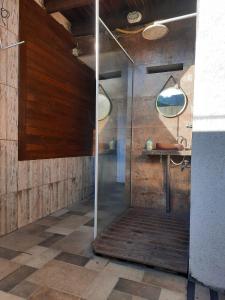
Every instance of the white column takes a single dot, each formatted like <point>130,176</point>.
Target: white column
<point>207,237</point>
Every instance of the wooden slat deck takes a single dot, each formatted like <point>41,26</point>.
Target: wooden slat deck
<point>142,236</point>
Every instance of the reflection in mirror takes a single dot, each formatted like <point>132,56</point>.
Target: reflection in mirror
<point>104,107</point>
<point>171,102</point>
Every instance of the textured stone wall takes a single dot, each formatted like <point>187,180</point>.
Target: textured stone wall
<point>147,173</point>
<point>30,190</point>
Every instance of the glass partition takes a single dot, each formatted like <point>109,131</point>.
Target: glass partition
<point>114,99</point>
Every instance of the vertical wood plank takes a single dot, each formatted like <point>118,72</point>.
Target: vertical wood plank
<point>46,171</point>
<point>13,22</point>
<point>2,214</point>
<point>3,55</point>
<point>23,175</point>
<point>12,64</point>
<point>3,108</point>
<point>35,173</point>
<point>46,200</point>
<point>11,212</point>
<point>23,208</point>
<point>35,203</point>
<point>3,167</point>
<point>12,166</point>
<point>12,114</point>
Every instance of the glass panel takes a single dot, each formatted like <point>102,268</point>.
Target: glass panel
<point>114,132</point>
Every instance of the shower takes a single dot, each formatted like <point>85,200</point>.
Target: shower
<point>157,29</point>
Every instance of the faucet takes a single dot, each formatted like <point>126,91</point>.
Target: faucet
<point>182,141</point>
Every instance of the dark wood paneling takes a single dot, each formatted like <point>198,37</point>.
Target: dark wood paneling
<point>57,92</point>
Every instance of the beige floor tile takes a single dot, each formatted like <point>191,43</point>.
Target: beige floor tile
<point>125,271</point>
<point>7,267</point>
<point>50,294</point>
<point>6,296</point>
<point>48,221</point>
<point>97,263</point>
<point>75,243</point>
<point>64,277</point>
<point>165,280</point>
<point>101,287</point>
<point>22,259</point>
<point>171,295</point>
<point>73,222</point>
<point>60,212</point>
<point>36,250</point>
<point>20,241</point>
<point>38,261</point>
<point>60,230</point>
<point>201,292</point>
<point>85,229</point>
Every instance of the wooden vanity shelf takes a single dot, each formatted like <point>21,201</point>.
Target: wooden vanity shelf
<point>167,152</point>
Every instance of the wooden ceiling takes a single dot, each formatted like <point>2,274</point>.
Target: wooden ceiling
<point>81,13</point>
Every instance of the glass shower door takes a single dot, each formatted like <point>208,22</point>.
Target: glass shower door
<point>114,130</point>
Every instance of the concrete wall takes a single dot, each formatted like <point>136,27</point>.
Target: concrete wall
<point>207,244</point>
<point>30,190</point>
<point>147,173</point>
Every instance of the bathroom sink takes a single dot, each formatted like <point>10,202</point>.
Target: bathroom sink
<point>164,146</point>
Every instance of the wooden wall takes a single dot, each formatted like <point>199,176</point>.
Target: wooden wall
<point>57,92</point>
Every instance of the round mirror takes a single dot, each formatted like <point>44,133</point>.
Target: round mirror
<point>104,107</point>
<point>171,102</point>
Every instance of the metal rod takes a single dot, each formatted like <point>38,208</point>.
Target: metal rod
<point>176,19</point>
<point>115,39</point>
<point>96,117</point>
<point>10,46</point>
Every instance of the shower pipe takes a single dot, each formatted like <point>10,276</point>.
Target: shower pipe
<point>115,39</point>
<point>176,19</point>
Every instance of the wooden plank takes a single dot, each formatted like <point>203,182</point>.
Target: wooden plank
<point>143,237</point>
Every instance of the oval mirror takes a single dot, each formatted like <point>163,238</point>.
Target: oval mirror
<point>104,107</point>
<point>171,102</point>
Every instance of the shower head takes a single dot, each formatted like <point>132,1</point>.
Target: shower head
<point>155,31</point>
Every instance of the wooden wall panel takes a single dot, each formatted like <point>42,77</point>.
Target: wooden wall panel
<point>57,92</point>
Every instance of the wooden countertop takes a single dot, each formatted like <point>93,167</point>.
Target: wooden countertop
<point>167,152</point>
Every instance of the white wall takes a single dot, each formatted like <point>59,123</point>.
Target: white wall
<point>207,239</point>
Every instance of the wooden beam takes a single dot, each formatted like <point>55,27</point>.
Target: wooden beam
<point>63,5</point>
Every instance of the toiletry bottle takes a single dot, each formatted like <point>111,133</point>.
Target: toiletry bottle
<point>112,145</point>
<point>149,145</point>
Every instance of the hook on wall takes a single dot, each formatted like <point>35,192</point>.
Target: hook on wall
<point>10,46</point>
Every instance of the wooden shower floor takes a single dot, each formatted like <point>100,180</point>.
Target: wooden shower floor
<point>143,236</point>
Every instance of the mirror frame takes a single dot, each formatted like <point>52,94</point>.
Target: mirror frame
<point>102,91</point>
<point>180,112</point>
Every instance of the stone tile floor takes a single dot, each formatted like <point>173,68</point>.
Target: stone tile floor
<point>52,259</point>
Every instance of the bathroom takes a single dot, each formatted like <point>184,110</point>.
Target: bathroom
<point>96,144</point>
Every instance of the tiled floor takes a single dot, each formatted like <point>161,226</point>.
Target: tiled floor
<point>52,260</point>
